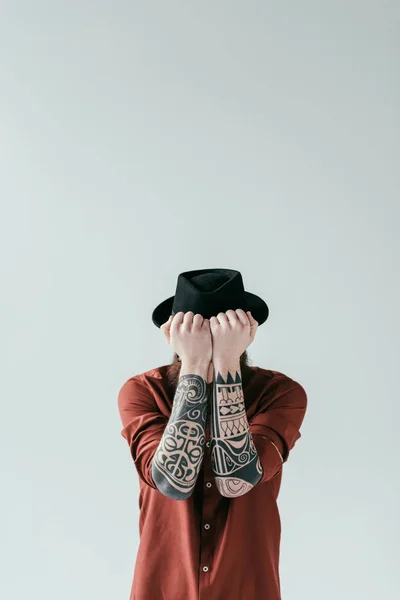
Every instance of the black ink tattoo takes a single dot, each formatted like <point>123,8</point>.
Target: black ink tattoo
<point>234,458</point>
<point>177,460</point>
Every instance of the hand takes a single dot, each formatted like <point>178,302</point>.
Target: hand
<point>232,332</point>
<point>190,337</point>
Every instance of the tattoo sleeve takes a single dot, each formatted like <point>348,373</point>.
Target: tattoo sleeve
<point>177,460</point>
<point>234,457</point>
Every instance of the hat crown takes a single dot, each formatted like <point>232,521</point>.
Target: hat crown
<point>208,282</point>
<point>209,291</point>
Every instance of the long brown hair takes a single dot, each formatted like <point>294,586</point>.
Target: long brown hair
<point>174,369</point>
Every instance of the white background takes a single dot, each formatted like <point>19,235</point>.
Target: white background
<point>142,139</point>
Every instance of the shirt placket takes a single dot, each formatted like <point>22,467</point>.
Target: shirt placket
<point>207,532</point>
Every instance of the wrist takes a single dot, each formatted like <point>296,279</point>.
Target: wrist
<point>225,365</point>
<point>195,366</point>
<point>225,360</point>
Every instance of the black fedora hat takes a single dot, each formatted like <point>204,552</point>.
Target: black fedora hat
<point>208,292</point>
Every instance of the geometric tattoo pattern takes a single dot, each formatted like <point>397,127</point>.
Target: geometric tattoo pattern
<point>178,458</point>
<point>234,458</point>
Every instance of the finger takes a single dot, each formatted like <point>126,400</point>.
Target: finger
<point>166,322</point>
<point>197,321</point>
<point>222,318</point>
<point>252,319</point>
<point>253,324</point>
<point>231,316</point>
<point>242,317</point>
<point>165,326</point>
<point>188,319</point>
<point>177,320</point>
<point>207,326</point>
<point>213,323</point>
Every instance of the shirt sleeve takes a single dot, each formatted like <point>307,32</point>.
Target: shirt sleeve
<point>143,424</point>
<point>275,428</point>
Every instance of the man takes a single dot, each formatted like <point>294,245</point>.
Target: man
<point>208,436</point>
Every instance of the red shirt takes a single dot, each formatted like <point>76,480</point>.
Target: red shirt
<point>210,547</point>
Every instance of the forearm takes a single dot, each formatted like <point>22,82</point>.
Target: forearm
<point>234,458</point>
<point>177,460</point>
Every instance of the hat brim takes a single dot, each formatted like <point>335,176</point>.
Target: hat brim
<point>256,305</point>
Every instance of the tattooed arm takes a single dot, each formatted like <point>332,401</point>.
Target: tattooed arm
<point>177,460</point>
<point>234,457</point>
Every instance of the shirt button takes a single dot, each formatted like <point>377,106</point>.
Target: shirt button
<point>208,484</point>
<point>205,568</point>
<point>207,444</point>
<point>206,526</point>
